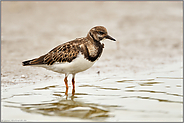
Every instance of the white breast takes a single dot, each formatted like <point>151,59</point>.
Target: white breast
<point>79,64</point>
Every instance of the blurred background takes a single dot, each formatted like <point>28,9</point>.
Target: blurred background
<point>149,35</point>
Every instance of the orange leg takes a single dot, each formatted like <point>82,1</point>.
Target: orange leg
<point>73,83</point>
<point>66,83</point>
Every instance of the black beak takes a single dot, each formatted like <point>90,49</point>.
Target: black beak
<point>109,37</point>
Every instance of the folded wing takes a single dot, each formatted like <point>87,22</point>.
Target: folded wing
<point>62,53</point>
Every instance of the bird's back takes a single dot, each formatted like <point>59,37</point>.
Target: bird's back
<point>62,53</point>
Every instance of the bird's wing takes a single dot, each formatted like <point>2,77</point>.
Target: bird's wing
<point>63,53</point>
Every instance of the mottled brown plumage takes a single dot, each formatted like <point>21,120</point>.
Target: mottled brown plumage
<point>68,51</point>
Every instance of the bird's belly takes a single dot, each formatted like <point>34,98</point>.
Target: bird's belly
<point>79,64</point>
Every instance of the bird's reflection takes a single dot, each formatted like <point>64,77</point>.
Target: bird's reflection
<point>68,107</point>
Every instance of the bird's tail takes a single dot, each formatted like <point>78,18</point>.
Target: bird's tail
<point>25,63</point>
<point>36,61</point>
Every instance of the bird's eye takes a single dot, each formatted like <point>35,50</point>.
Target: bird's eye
<point>101,33</point>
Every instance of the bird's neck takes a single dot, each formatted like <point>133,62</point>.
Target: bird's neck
<point>93,49</point>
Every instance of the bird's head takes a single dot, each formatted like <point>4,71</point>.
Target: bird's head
<point>99,33</point>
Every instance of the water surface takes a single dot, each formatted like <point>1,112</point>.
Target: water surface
<point>149,96</point>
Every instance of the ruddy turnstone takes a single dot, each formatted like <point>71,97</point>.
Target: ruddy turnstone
<point>73,56</point>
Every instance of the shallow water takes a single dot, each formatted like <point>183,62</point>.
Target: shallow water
<point>149,96</point>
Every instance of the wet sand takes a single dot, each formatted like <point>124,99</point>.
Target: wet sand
<point>140,76</point>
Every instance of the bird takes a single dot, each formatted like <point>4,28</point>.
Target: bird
<point>73,56</point>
